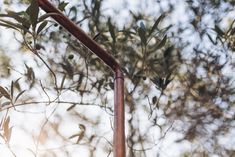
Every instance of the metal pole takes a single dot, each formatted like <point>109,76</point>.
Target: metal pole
<point>119,114</point>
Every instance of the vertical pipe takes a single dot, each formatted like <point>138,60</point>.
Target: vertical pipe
<point>119,113</point>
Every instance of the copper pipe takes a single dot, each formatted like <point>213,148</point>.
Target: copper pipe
<point>119,114</point>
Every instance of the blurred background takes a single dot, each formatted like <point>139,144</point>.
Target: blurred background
<point>56,97</point>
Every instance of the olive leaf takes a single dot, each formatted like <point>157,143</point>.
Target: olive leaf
<point>13,25</point>
<point>18,96</point>
<point>142,35</point>
<point>162,43</point>
<point>155,25</point>
<point>111,30</point>
<point>21,17</point>
<point>41,26</point>
<point>62,5</point>
<point>219,30</point>
<point>33,11</point>
<point>6,130</point>
<point>5,93</point>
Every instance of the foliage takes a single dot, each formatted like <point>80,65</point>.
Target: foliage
<point>178,77</point>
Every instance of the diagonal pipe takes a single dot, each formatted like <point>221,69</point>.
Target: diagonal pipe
<point>119,114</point>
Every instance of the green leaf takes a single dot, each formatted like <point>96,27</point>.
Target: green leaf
<point>62,5</point>
<point>111,30</point>
<point>17,85</point>
<point>142,35</point>
<point>162,43</point>
<point>41,26</point>
<point>33,11</point>
<point>21,17</point>
<point>210,38</point>
<point>219,31</point>
<point>155,25</point>
<point>8,26</point>
<point>13,25</point>
<point>18,16</point>
<point>4,92</point>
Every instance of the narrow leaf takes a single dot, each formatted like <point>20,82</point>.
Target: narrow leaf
<point>155,25</point>
<point>9,26</point>
<point>14,15</point>
<point>6,125</point>
<point>218,30</point>
<point>4,92</point>
<point>210,38</point>
<point>41,26</point>
<point>18,96</point>
<point>62,5</point>
<point>33,11</point>
<point>111,30</point>
<point>141,33</point>
<point>62,82</point>
<point>12,89</point>
<point>162,43</point>
<point>7,134</point>
<point>22,17</point>
<point>14,25</point>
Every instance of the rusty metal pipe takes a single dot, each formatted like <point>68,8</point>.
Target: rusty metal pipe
<point>119,114</point>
